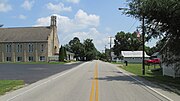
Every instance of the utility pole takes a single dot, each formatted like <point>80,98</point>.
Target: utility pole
<point>105,49</point>
<point>143,35</point>
<point>110,47</point>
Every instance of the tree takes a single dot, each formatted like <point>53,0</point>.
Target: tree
<point>126,42</point>
<point>61,54</point>
<point>83,51</point>
<point>90,50</point>
<point>67,47</point>
<point>65,54</point>
<point>162,19</point>
<point>77,48</point>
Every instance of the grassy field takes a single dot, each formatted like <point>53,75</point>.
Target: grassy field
<point>155,76</point>
<point>9,85</point>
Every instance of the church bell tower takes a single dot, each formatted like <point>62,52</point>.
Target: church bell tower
<point>54,29</point>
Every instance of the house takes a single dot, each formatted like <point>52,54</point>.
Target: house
<point>130,56</point>
<point>26,44</point>
<point>169,68</point>
<point>70,56</point>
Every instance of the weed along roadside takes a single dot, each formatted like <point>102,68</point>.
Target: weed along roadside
<point>156,77</point>
<point>10,85</point>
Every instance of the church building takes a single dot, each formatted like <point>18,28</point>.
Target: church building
<point>29,44</point>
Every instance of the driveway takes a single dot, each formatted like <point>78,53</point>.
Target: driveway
<point>31,73</point>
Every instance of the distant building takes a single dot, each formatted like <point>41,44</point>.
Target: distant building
<point>70,56</point>
<point>26,44</point>
<point>131,56</point>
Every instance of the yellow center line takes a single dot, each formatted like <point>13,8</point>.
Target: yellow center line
<point>96,97</point>
<point>94,82</point>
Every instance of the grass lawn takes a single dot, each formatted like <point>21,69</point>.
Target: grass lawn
<point>155,76</point>
<point>9,85</point>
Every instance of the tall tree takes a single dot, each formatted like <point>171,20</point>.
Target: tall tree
<point>77,47</point>
<point>90,50</point>
<point>61,54</point>
<point>126,42</point>
<point>162,19</point>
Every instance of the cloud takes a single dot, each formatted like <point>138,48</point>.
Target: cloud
<point>73,1</point>
<point>21,16</point>
<point>58,8</point>
<point>5,7</point>
<point>28,4</point>
<point>81,21</point>
<point>84,19</point>
<point>83,25</point>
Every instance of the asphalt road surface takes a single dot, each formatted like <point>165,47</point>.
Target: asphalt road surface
<point>31,73</point>
<point>90,81</point>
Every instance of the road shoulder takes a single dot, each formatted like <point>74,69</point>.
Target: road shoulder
<point>171,96</point>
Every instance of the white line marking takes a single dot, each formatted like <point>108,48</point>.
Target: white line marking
<point>45,82</point>
<point>146,85</point>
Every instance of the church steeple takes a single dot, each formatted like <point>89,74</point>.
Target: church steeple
<point>54,32</point>
<point>53,21</point>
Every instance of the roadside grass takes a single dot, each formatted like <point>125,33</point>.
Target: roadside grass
<point>155,76</point>
<point>9,85</point>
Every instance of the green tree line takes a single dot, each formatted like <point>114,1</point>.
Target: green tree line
<point>83,51</point>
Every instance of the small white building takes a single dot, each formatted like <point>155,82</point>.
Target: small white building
<point>130,56</point>
<point>133,56</point>
<point>169,69</point>
<point>70,56</point>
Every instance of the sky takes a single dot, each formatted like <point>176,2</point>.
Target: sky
<point>94,19</point>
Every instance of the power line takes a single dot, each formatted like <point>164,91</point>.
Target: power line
<point>132,25</point>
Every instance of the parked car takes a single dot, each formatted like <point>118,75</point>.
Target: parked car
<point>153,61</point>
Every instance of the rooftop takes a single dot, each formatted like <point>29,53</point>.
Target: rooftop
<point>24,34</point>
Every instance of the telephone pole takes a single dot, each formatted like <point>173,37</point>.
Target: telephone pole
<point>105,51</point>
<point>143,35</point>
<point>110,43</point>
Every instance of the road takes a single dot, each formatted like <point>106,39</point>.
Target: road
<point>90,81</point>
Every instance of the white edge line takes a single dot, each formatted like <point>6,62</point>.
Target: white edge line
<point>54,78</point>
<point>146,86</point>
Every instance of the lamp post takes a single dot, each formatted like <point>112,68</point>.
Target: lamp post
<point>143,41</point>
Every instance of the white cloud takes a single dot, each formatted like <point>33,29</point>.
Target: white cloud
<point>5,7</point>
<point>84,19</point>
<point>21,16</point>
<point>28,4</point>
<point>73,1</point>
<point>83,25</point>
<point>81,21</point>
<point>58,8</point>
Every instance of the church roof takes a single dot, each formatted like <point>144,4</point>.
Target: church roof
<point>24,34</point>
